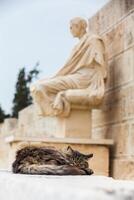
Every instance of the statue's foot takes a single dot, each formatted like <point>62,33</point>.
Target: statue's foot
<point>61,106</point>
<point>57,108</point>
<point>58,104</point>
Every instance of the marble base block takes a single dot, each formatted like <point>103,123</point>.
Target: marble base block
<point>100,149</point>
<point>77,125</point>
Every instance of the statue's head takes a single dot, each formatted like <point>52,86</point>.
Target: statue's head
<point>78,26</point>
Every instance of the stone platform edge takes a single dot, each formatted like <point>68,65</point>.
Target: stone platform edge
<point>105,142</point>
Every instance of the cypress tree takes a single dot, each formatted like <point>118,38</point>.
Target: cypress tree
<point>2,114</point>
<point>20,100</point>
<point>22,96</point>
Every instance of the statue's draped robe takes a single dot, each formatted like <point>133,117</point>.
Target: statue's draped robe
<point>81,79</point>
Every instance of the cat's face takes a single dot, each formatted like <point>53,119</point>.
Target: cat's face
<point>78,159</point>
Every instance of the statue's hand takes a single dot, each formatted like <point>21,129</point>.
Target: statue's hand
<point>58,105</point>
<point>35,88</point>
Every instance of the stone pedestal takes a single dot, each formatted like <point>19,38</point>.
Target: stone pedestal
<point>100,149</point>
<point>77,125</point>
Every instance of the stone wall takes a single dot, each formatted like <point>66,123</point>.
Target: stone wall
<point>9,125</point>
<point>6,129</point>
<point>115,23</point>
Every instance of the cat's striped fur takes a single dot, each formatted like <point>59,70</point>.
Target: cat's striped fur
<point>50,161</point>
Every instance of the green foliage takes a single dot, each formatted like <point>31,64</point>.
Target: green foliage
<point>2,114</point>
<point>22,96</point>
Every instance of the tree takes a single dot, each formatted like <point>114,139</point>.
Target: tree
<point>2,114</point>
<point>22,96</point>
<point>33,74</point>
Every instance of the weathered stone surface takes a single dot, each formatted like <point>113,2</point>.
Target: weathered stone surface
<point>8,126</point>
<point>26,116</point>
<point>77,125</point>
<point>115,23</point>
<point>123,68</point>
<point>110,15</point>
<point>1,124</point>
<point>29,124</point>
<point>120,70</point>
<point>118,106</point>
<point>131,139</point>
<point>120,37</point>
<point>123,168</point>
<point>23,187</point>
<point>120,135</point>
<point>4,153</point>
<point>114,40</point>
<point>129,31</point>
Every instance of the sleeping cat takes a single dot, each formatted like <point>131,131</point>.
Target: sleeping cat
<point>49,161</point>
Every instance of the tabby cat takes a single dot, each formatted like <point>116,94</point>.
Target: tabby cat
<point>48,160</point>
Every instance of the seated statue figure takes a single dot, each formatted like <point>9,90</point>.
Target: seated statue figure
<point>81,81</point>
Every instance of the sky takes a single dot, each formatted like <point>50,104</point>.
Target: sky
<point>36,31</point>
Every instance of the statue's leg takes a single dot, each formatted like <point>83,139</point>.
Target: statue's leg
<point>60,103</point>
<point>49,94</point>
<point>41,99</point>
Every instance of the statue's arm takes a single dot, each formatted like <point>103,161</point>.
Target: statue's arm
<point>98,52</point>
<point>62,70</point>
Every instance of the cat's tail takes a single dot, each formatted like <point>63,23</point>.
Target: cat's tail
<point>52,170</point>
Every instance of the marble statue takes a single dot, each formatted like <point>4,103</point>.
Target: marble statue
<point>81,81</point>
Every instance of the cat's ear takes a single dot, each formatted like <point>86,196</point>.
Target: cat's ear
<point>69,150</point>
<point>89,156</point>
